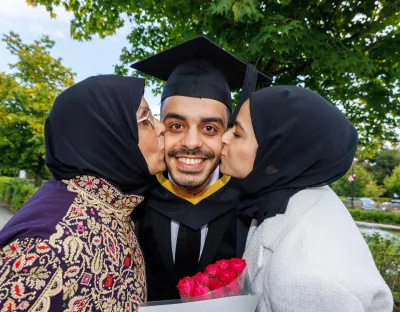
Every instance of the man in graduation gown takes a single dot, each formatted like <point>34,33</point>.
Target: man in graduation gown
<point>189,219</point>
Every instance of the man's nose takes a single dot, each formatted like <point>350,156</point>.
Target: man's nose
<point>192,139</point>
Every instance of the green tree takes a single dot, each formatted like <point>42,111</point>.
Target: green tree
<point>345,50</point>
<point>372,189</point>
<point>384,163</point>
<point>392,183</point>
<point>26,96</point>
<point>342,187</point>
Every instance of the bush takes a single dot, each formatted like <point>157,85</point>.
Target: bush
<point>375,216</point>
<point>5,190</point>
<point>386,255</point>
<point>15,192</point>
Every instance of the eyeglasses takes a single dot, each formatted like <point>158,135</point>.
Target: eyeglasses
<point>149,117</point>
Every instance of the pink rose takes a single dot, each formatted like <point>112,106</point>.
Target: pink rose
<point>219,292</point>
<point>186,287</point>
<point>214,284</point>
<point>200,290</point>
<point>238,265</point>
<point>212,269</point>
<point>223,264</point>
<point>226,276</point>
<point>201,278</point>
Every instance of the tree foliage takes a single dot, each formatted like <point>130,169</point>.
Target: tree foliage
<point>384,163</point>
<point>363,187</point>
<point>26,96</point>
<point>348,51</point>
<point>372,189</point>
<point>392,183</point>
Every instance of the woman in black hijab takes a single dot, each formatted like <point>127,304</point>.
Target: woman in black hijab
<point>72,246</point>
<point>304,251</point>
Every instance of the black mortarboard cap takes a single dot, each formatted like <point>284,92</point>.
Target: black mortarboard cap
<point>200,68</point>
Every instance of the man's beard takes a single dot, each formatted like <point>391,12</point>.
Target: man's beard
<point>192,184</point>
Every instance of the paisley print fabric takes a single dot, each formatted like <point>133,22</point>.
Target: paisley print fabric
<point>92,261</point>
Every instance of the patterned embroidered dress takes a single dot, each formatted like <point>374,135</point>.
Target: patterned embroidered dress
<point>87,260</point>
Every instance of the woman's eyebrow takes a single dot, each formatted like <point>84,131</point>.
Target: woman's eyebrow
<point>142,109</point>
<point>239,125</point>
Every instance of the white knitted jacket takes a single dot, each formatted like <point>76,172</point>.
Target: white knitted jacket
<point>314,259</point>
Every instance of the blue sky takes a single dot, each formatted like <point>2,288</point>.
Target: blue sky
<point>85,58</point>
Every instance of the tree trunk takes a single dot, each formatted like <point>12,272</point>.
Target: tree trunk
<point>39,172</point>
<point>38,179</point>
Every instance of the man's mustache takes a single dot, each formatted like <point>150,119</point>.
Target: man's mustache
<point>187,152</point>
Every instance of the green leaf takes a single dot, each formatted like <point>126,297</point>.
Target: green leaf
<point>347,53</point>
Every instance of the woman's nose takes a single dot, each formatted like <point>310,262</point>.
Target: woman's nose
<point>227,136</point>
<point>160,127</point>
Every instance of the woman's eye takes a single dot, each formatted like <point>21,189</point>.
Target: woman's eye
<point>236,135</point>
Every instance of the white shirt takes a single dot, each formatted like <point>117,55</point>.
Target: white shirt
<point>204,229</point>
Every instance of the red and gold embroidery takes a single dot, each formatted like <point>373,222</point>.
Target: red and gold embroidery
<point>30,275</point>
<point>93,257</point>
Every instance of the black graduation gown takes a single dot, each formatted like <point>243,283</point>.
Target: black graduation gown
<point>226,235</point>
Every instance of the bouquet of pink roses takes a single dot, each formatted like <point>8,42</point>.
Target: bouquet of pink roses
<point>223,279</point>
<point>223,287</point>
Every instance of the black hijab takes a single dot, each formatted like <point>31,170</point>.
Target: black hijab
<point>92,130</point>
<point>303,141</point>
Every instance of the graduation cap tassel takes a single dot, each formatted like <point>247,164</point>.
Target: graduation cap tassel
<point>249,85</point>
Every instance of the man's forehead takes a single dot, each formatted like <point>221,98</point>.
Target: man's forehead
<point>194,108</point>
